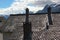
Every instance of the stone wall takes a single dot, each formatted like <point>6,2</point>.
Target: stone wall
<point>13,29</point>
<point>15,25</point>
<point>2,22</point>
<point>1,36</point>
<point>53,33</point>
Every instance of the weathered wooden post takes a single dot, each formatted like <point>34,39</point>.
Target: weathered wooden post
<point>27,27</point>
<point>49,16</point>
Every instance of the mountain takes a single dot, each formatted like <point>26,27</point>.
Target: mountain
<point>5,16</point>
<point>30,12</point>
<point>54,8</point>
<point>44,9</point>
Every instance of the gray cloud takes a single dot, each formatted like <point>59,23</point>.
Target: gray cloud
<point>42,3</point>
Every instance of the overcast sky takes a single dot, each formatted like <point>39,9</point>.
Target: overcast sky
<point>18,6</point>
